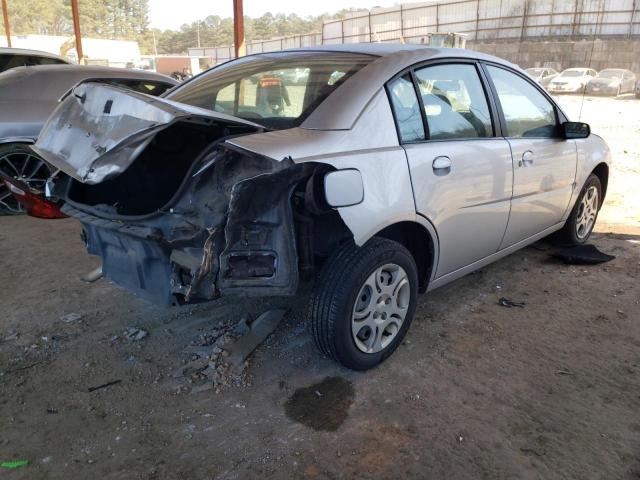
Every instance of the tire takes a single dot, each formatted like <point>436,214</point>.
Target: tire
<point>571,234</point>
<point>347,277</point>
<point>20,162</point>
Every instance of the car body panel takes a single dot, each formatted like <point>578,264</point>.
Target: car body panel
<point>542,185</point>
<point>468,206</point>
<point>379,158</point>
<point>99,130</point>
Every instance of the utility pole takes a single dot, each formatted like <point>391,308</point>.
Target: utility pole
<point>238,29</point>
<point>7,30</point>
<point>76,30</point>
<point>155,46</point>
<point>198,30</point>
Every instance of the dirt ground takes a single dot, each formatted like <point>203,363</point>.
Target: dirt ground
<point>477,390</point>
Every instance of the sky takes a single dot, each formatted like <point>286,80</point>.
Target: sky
<point>169,14</point>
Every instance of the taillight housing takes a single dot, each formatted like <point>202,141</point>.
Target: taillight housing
<point>35,205</point>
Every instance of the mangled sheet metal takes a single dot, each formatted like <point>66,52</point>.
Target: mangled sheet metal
<point>223,222</point>
<point>99,130</point>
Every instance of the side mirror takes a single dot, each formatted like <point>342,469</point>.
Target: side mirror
<point>576,130</point>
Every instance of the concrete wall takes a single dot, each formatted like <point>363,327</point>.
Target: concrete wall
<point>561,54</point>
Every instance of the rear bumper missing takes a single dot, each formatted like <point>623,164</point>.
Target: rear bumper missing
<point>210,243</point>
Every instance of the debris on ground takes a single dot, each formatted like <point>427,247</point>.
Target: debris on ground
<point>505,302</point>
<point>564,372</point>
<point>218,358</point>
<point>104,385</point>
<point>14,464</point>
<point>93,275</point>
<point>260,329</point>
<point>582,255</point>
<point>71,317</point>
<point>11,335</point>
<point>134,334</point>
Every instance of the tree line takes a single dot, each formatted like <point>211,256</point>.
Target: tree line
<point>129,20</point>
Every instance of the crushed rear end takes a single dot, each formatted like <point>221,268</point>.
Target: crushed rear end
<point>175,213</point>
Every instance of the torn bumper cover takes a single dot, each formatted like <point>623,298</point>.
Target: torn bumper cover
<point>227,226</point>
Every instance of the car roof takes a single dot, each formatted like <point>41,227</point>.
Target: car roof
<point>26,51</point>
<point>342,108</point>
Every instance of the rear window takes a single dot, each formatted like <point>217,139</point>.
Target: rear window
<point>8,61</point>
<point>277,90</point>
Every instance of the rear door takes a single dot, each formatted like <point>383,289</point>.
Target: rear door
<point>460,170</point>
<point>544,162</point>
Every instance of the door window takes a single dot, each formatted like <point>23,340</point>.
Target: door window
<point>454,102</point>
<point>406,109</point>
<point>527,112</point>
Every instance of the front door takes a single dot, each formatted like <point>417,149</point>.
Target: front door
<point>461,173</point>
<point>544,163</point>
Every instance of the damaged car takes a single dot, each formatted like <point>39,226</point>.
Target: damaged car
<point>386,171</point>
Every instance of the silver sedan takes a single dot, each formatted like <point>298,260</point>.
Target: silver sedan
<point>382,171</point>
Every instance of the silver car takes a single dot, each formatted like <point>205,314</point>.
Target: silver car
<point>542,75</point>
<point>391,170</point>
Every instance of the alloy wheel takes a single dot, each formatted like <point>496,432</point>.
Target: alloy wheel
<point>380,308</point>
<point>587,212</point>
<point>25,167</point>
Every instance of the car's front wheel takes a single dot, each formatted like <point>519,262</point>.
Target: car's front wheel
<point>582,219</point>
<point>364,302</point>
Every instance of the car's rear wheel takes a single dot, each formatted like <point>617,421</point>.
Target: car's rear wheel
<point>20,162</point>
<point>584,214</point>
<point>364,301</point>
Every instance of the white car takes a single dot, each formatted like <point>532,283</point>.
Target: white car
<point>572,80</point>
<point>391,170</point>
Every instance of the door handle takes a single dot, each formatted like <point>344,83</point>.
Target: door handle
<point>527,159</point>
<point>441,165</point>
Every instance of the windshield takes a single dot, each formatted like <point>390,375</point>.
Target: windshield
<point>610,74</point>
<point>277,90</point>
<point>572,73</point>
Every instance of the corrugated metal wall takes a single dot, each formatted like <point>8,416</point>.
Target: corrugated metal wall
<point>479,20</point>
<point>489,20</point>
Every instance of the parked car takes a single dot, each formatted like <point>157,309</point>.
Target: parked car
<point>28,95</point>
<point>612,81</point>
<point>542,75</point>
<point>572,80</point>
<point>416,167</point>
<point>20,57</point>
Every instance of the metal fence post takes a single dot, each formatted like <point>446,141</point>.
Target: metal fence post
<point>477,18</point>
<point>633,14</point>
